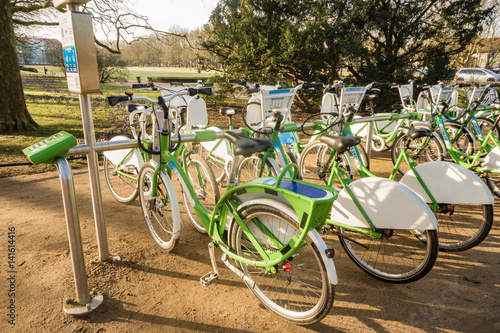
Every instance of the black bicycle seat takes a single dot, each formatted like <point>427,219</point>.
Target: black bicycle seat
<point>397,107</point>
<point>246,146</point>
<point>227,110</point>
<point>415,133</point>
<point>340,143</point>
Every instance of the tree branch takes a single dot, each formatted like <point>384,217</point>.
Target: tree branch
<point>27,23</point>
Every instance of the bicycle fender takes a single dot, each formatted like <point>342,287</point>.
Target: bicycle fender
<point>492,160</point>
<point>387,203</point>
<point>120,156</point>
<point>288,209</point>
<point>448,183</point>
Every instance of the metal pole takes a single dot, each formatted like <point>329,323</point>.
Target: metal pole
<point>369,136</point>
<point>95,185</point>
<point>84,303</point>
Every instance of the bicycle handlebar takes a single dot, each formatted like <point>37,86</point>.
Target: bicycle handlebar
<point>113,100</point>
<point>144,85</point>
<point>201,91</point>
<point>308,85</point>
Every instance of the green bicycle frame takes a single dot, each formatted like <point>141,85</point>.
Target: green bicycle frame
<point>311,212</point>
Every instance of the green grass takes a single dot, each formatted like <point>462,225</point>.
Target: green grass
<point>143,72</point>
<point>54,109</point>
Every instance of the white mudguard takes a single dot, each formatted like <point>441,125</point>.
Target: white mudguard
<point>117,156</point>
<point>448,183</point>
<point>492,160</point>
<point>387,203</point>
<point>222,151</point>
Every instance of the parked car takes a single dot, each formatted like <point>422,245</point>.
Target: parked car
<point>496,70</point>
<point>476,75</point>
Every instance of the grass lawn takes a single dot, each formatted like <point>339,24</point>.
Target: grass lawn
<point>55,109</point>
<point>143,72</point>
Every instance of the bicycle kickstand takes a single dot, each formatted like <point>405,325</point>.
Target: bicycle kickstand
<point>207,279</point>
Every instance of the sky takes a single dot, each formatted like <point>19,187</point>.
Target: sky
<point>164,14</point>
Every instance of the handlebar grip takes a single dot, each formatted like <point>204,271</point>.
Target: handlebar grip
<point>140,85</point>
<point>464,85</point>
<point>208,84</point>
<point>422,86</point>
<point>307,85</point>
<point>203,91</point>
<point>253,90</point>
<point>240,81</point>
<point>113,100</point>
<point>495,85</point>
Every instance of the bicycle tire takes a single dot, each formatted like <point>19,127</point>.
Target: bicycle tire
<point>312,163</point>
<point>313,168</point>
<point>432,151</point>
<point>205,186</point>
<point>399,258</point>
<point>493,182</point>
<point>249,168</point>
<point>161,214</point>
<point>122,188</point>
<point>302,295</point>
<point>218,169</point>
<point>464,229</point>
<point>486,125</point>
<point>465,143</point>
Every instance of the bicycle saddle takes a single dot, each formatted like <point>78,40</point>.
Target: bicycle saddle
<point>340,143</point>
<point>227,110</point>
<point>415,133</point>
<point>369,97</point>
<point>246,146</point>
<point>397,107</point>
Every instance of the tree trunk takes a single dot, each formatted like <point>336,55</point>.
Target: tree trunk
<point>14,115</point>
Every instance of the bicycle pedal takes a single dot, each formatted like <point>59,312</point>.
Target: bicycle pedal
<point>207,279</point>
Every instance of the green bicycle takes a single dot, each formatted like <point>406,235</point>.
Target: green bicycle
<point>268,226</point>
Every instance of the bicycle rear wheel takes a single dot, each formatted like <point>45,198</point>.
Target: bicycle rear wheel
<point>399,257</point>
<point>205,186</point>
<point>122,181</point>
<point>161,212</point>
<point>466,227</point>
<point>300,291</point>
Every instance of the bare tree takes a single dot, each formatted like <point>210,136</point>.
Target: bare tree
<point>114,17</point>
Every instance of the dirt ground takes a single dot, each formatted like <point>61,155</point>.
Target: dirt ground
<point>150,290</point>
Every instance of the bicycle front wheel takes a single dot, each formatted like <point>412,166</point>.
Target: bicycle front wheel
<point>161,212</point>
<point>300,291</point>
<point>313,163</point>
<point>122,181</point>
<point>399,257</point>
<point>426,149</point>
<point>250,167</point>
<point>204,185</point>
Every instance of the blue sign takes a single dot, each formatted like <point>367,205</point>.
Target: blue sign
<point>70,59</point>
